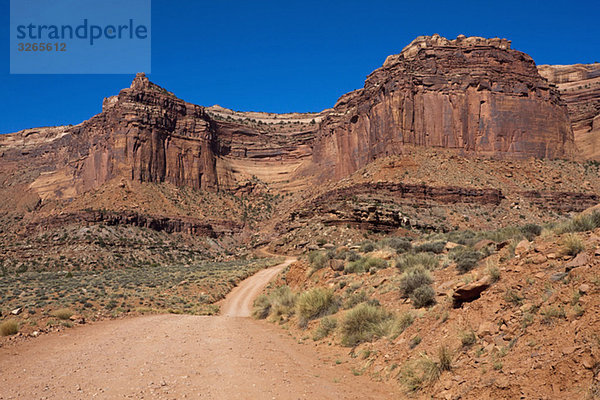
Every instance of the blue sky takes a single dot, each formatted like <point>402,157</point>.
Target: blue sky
<point>282,56</point>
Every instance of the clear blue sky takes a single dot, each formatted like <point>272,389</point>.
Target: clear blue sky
<point>282,56</point>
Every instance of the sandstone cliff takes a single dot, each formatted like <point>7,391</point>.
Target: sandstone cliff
<point>579,87</point>
<point>144,134</point>
<point>472,94</point>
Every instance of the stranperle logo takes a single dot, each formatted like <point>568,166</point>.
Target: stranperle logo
<point>85,31</point>
<point>80,36</point>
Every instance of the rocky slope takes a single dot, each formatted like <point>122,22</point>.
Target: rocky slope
<point>472,94</point>
<point>579,87</point>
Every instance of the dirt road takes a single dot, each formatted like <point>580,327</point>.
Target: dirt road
<point>182,356</point>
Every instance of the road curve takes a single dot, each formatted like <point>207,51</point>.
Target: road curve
<point>238,302</point>
<point>183,357</point>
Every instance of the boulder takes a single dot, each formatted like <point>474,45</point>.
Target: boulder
<point>336,265</point>
<point>470,291</point>
<point>522,247</point>
<point>581,260</point>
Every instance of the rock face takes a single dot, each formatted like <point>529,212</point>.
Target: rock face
<point>149,135</point>
<point>472,94</point>
<point>144,134</point>
<point>579,87</point>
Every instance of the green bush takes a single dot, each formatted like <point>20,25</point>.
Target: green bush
<point>326,326</point>
<point>262,307</point>
<point>355,298</point>
<point>352,256</point>
<point>367,247</point>
<point>466,259</point>
<point>530,231</point>
<point>423,296</point>
<point>409,260</point>
<point>363,323</point>
<point>315,303</point>
<point>412,279</point>
<point>401,245</point>
<point>398,324</point>
<point>365,264</point>
<point>318,259</point>
<point>280,301</point>
<point>468,337</point>
<point>9,327</point>
<point>431,247</point>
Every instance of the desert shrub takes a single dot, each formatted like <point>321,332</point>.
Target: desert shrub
<point>409,260</point>
<point>352,256</point>
<point>398,324</point>
<point>9,327</point>
<point>326,326</point>
<point>282,301</point>
<point>513,297</point>
<point>431,247</point>
<point>401,245</point>
<point>494,273</point>
<point>279,302</point>
<point>364,264</point>
<point>423,296</point>
<point>466,259</point>
<point>550,313</point>
<point>63,313</point>
<point>468,338</point>
<point>318,259</point>
<point>355,298</point>
<point>367,247</point>
<point>461,237</point>
<point>425,370</point>
<point>315,303</point>
<point>363,323</point>
<point>580,223</point>
<point>572,244</point>
<point>412,279</point>
<point>530,231</point>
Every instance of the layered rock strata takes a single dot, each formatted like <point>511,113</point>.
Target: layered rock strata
<point>471,94</point>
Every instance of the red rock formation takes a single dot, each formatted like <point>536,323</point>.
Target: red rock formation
<point>472,94</point>
<point>579,86</point>
<point>149,135</point>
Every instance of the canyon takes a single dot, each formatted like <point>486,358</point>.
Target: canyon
<point>470,97</point>
<point>460,163</point>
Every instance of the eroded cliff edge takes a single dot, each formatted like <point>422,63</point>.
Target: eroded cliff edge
<point>471,94</point>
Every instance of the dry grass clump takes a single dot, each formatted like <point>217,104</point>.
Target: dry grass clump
<point>411,260</point>
<point>572,244</point>
<point>581,223</point>
<point>426,370</point>
<point>325,328</point>
<point>363,323</point>
<point>365,264</point>
<point>9,327</point>
<point>315,303</point>
<point>63,313</point>
<point>279,302</point>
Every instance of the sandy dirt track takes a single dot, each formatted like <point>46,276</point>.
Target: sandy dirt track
<point>182,356</point>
